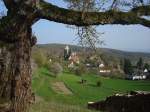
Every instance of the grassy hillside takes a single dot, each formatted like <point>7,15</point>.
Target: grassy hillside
<point>81,93</point>
<point>65,93</point>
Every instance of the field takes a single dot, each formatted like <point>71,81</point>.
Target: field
<point>66,93</point>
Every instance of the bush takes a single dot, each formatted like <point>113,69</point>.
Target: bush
<point>93,71</point>
<point>56,69</point>
<point>39,58</point>
<point>116,75</point>
<point>83,81</point>
<point>80,70</point>
<point>99,83</point>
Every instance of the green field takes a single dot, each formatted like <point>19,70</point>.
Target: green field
<point>81,93</point>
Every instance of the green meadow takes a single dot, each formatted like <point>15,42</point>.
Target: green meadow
<point>81,94</point>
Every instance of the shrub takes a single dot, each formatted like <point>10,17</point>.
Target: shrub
<point>83,81</point>
<point>39,58</point>
<point>93,71</point>
<point>80,70</point>
<point>116,75</point>
<point>56,69</point>
<point>99,83</point>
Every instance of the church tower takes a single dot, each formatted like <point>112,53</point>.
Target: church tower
<point>67,52</point>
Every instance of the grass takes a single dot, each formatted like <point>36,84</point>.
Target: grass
<point>82,93</point>
<point>56,107</point>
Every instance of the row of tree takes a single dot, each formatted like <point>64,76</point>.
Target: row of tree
<point>140,65</point>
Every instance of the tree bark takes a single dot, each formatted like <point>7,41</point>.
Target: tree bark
<point>15,87</point>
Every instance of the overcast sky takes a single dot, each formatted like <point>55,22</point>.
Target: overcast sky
<point>129,38</point>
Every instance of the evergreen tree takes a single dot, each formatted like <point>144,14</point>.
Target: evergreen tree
<point>147,66</point>
<point>128,69</point>
<point>140,63</point>
<point>121,64</point>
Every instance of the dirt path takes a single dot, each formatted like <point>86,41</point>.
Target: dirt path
<point>60,87</point>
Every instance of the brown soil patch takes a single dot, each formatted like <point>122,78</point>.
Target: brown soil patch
<point>60,87</point>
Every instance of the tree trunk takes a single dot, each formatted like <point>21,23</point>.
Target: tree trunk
<point>15,86</point>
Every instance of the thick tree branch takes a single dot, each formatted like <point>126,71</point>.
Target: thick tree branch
<point>9,4</point>
<point>61,15</point>
<point>142,10</point>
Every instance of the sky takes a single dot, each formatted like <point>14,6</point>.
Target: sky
<point>128,38</point>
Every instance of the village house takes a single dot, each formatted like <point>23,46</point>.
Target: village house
<point>104,69</point>
<point>142,75</point>
<point>138,74</point>
<point>136,77</point>
<point>73,59</point>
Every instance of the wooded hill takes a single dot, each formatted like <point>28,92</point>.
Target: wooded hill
<point>57,50</point>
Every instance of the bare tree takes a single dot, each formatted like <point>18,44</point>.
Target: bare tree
<point>86,35</point>
<point>15,30</point>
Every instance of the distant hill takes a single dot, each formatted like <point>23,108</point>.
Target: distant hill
<point>58,50</point>
<point>133,56</point>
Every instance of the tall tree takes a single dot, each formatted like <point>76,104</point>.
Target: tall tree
<point>128,69</point>
<point>140,64</point>
<point>16,32</point>
<point>147,66</point>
